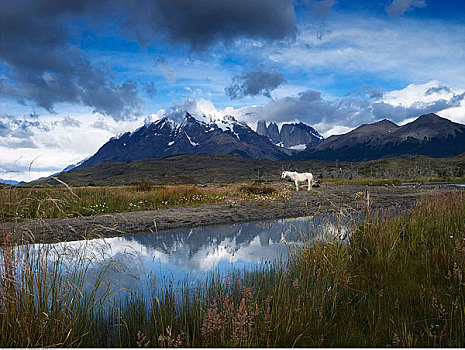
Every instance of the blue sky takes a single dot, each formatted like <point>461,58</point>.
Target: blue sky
<point>73,74</point>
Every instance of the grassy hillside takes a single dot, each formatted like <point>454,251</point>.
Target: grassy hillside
<point>200,169</point>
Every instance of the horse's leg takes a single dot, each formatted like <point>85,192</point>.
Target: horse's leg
<point>296,185</point>
<point>309,184</point>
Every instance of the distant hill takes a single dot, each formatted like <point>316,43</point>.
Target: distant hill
<point>187,168</point>
<point>428,135</point>
<point>193,135</point>
<point>212,168</point>
<point>10,182</point>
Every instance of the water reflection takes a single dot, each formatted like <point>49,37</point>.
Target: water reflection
<point>189,256</point>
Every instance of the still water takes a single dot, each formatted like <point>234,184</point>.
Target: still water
<point>188,257</point>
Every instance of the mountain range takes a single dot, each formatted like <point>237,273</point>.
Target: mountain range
<point>429,135</point>
<point>197,135</point>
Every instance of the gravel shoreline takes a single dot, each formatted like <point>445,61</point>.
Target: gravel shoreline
<point>322,200</point>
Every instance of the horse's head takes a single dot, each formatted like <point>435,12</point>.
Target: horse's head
<point>283,175</point>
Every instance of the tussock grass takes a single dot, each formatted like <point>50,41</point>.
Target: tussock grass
<point>399,281</point>
<point>257,189</point>
<point>18,203</point>
<point>27,203</point>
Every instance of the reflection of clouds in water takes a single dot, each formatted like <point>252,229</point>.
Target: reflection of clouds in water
<point>332,231</point>
<point>140,260</point>
<point>197,249</point>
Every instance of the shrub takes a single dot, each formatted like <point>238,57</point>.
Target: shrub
<point>143,186</point>
<point>257,189</point>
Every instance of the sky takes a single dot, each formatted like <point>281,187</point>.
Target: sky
<point>75,73</point>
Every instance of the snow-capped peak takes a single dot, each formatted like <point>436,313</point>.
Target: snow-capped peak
<point>165,122</point>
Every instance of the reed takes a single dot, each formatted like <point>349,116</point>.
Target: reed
<point>397,281</point>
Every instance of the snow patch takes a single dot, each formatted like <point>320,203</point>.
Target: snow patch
<point>300,147</point>
<point>192,142</point>
<point>223,126</point>
<point>170,143</point>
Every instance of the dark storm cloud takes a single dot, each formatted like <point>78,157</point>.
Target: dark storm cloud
<point>41,62</point>
<point>198,23</point>
<point>310,107</point>
<point>258,82</point>
<point>202,23</point>
<point>42,66</point>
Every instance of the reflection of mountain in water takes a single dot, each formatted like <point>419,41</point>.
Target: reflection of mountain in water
<point>189,255</point>
<point>203,248</point>
<point>233,237</point>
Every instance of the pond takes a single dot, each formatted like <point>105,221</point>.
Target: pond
<point>147,263</point>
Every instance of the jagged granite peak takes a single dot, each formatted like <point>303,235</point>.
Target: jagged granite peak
<point>193,135</point>
<point>273,133</point>
<point>429,135</point>
<point>295,136</point>
<point>299,135</point>
<point>261,128</point>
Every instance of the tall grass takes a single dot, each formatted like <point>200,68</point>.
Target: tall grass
<point>398,282</point>
<point>23,203</point>
<point>17,203</point>
<point>42,302</point>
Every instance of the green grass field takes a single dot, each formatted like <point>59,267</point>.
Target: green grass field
<point>399,282</point>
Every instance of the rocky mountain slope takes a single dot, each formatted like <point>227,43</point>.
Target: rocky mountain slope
<point>165,138</point>
<point>297,136</point>
<point>429,135</point>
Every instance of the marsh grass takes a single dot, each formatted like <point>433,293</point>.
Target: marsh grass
<point>17,203</point>
<point>22,203</point>
<point>398,282</point>
<point>42,302</point>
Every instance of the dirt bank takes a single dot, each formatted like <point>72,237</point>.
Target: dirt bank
<point>325,199</point>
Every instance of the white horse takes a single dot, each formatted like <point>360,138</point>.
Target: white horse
<point>299,177</point>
